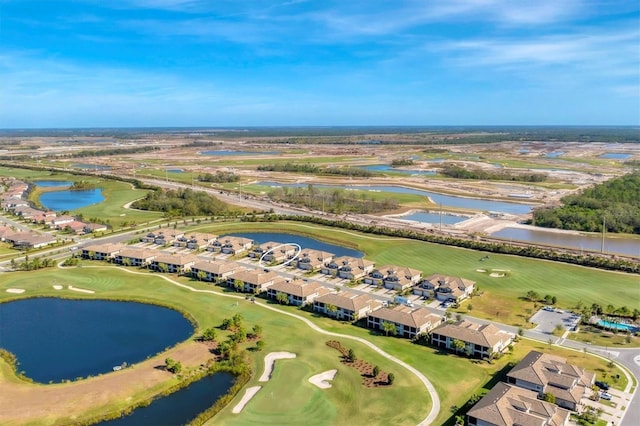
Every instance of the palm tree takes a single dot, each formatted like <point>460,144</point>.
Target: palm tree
<point>388,327</point>
<point>458,345</point>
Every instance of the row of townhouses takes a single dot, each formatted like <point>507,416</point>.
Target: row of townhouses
<point>408,321</point>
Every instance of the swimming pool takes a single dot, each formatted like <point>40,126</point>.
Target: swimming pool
<point>618,326</point>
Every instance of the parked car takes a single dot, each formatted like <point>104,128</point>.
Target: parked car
<point>602,385</point>
<point>548,309</point>
<point>605,396</point>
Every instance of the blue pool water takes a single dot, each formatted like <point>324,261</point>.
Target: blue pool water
<point>90,166</point>
<point>175,171</point>
<point>618,326</point>
<point>555,154</point>
<point>71,200</point>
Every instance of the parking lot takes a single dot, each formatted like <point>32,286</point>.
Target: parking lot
<point>547,320</point>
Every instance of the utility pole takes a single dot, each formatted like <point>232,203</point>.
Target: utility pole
<point>604,221</point>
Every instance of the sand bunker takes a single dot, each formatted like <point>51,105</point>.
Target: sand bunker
<point>248,394</point>
<point>57,287</point>
<point>15,290</point>
<point>481,270</point>
<point>268,363</point>
<point>82,290</point>
<point>496,275</point>
<point>322,380</point>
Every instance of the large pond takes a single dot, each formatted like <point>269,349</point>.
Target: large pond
<point>57,339</point>
<point>385,168</point>
<point>180,407</point>
<point>444,200</point>
<point>592,242</point>
<point>52,183</point>
<point>304,242</point>
<point>226,153</point>
<point>71,200</point>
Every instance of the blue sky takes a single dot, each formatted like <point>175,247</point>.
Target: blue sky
<point>128,63</point>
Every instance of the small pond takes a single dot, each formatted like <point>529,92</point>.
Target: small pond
<point>554,154</point>
<point>225,152</point>
<point>90,166</point>
<point>615,156</point>
<point>434,218</point>
<point>304,242</point>
<point>52,183</point>
<point>58,339</point>
<point>179,407</point>
<point>71,200</point>
<point>385,168</point>
<point>175,170</point>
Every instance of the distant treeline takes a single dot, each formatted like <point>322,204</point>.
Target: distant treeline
<point>219,177</point>
<point>84,153</point>
<point>182,202</point>
<point>334,201</point>
<point>313,169</point>
<point>402,162</point>
<point>457,172</point>
<point>615,202</point>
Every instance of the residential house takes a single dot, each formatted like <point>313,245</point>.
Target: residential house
<point>445,288</point>
<point>345,305</point>
<point>377,275</point>
<point>232,245</point>
<point>94,227</point>
<point>76,227</point>
<point>401,277</point>
<point>298,293</point>
<point>44,217</point>
<point>173,263</point>
<point>480,340</point>
<point>254,280</point>
<point>311,260</point>
<point>30,240</point>
<point>507,405</point>
<point>354,268</point>
<point>132,256</point>
<point>101,251</point>
<point>214,271</point>
<point>544,373</point>
<point>409,322</point>
<point>59,222</point>
<point>273,252</point>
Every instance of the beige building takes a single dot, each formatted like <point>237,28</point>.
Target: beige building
<point>507,405</point>
<point>480,340</point>
<point>544,373</point>
<point>173,263</point>
<point>216,270</point>
<point>409,322</point>
<point>345,305</point>
<point>298,293</point>
<point>254,280</point>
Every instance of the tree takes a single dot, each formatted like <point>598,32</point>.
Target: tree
<point>238,285</point>
<point>391,378</point>
<point>458,345</point>
<point>201,275</point>
<point>257,330</point>
<point>226,324</point>
<point>388,327</point>
<point>209,334</point>
<point>549,397</point>
<point>376,371</point>
<point>533,296</point>
<point>282,298</point>
<point>236,320</point>
<point>259,345</point>
<point>173,366</point>
<point>331,309</point>
<point>351,356</point>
